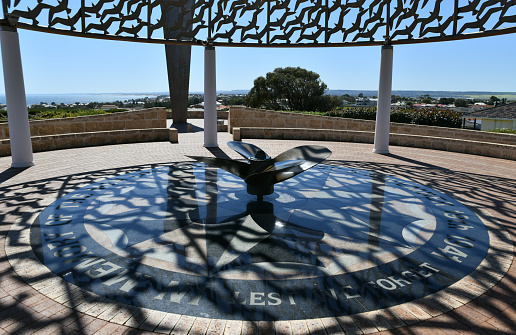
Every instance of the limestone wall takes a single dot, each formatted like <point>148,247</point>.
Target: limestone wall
<point>254,123</point>
<point>490,149</point>
<point>249,117</point>
<point>199,114</point>
<point>89,139</point>
<point>243,117</point>
<point>145,125</point>
<point>141,119</point>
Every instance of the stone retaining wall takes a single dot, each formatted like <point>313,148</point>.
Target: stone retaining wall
<point>248,117</point>
<point>144,125</point>
<point>88,139</point>
<point>221,115</point>
<point>490,149</point>
<point>141,119</point>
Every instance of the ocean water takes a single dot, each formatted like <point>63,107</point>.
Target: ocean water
<point>80,97</point>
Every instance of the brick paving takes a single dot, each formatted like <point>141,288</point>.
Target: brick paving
<point>33,301</point>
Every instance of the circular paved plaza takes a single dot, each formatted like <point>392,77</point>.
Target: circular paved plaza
<point>134,238</point>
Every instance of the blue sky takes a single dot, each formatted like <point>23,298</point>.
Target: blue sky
<point>60,64</point>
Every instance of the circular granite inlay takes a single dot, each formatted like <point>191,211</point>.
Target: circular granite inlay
<point>188,239</point>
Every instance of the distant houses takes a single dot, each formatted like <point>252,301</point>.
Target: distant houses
<point>498,117</point>
<point>365,101</point>
<point>200,106</point>
<point>108,107</point>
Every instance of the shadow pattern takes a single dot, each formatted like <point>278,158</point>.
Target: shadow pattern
<point>496,194</point>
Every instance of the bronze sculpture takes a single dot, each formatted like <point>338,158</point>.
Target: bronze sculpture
<point>260,171</point>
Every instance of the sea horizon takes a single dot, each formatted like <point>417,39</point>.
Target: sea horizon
<point>70,98</point>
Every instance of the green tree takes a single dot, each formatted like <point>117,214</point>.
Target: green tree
<point>493,100</point>
<point>330,102</point>
<point>233,100</point>
<point>349,98</point>
<point>461,103</point>
<point>426,99</point>
<point>396,98</point>
<point>195,99</point>
<point>446,101</point>
<point>291,88</point>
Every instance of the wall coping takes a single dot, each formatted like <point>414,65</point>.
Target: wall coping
<point>92,116</point>
<point>110,137</point>
<point>490,149</point>
<point>503,138</point>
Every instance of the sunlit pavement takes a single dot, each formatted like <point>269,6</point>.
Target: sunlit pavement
<point>34,300</point>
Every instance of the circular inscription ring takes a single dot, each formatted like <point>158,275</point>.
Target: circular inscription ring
<point>188,239</point>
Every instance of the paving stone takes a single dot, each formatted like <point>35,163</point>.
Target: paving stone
<point>112,329</point>
<point>315,326</point>
<point>233,327</point>
<point>332,326</point>
<point>94,326</point>
<point>99,308</point>
<point>216,327</point>
<point>418,311</point>
<point>378,320</point>
<point>78,321</point>
<point>250,327</point>
<point>299,327</point>
<point>500,325</point>
<point>266,328</point>
<point>124,314</point>
<point>481,183</point>
<point>110,312</point>
<point>468,316</point>
<point>167,323</point>
<point>363,322</point>
<point>183,325</point>
<point>404,314</point>
<point>200,326</point>
<point>152,321</point>
<point>50,329</point>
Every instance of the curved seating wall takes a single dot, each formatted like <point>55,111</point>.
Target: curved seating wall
<point>256,123</point>
<point>146,125</point>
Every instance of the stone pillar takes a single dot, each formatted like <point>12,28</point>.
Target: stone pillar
<point>18,116</point>
<point>210,98</point>
<point>383,113</point>
<point>178,56</point>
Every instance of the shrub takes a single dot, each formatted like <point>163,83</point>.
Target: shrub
<point>41,114</point>
<point>434,117</point>
<point>503,130</point>
<point>364,113</point>
<point>423,116</point>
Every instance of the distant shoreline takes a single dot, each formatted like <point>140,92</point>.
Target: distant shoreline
<point>70,98</point>
<point>433,94</point>
<point>33,99</point>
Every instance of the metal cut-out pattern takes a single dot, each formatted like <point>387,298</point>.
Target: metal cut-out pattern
<point>268,22</point>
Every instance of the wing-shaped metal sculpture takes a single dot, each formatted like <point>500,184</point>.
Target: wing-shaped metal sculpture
<point>247,150</point>
<point>260,172</point>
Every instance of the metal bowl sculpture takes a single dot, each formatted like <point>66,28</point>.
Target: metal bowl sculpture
<point>260,171</point>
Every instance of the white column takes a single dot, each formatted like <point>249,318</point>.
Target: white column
<point>18,117</point>
<point>383,114</point>
<point>210,98</point>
